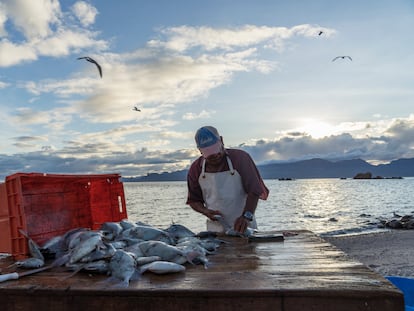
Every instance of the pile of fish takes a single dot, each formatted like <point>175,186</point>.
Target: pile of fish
<point>124,250</point>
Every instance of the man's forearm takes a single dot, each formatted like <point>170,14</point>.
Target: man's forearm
<point>251,203</point>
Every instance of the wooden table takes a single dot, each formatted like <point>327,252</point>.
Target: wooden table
<point>303,272</point>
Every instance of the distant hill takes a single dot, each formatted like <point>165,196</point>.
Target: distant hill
<point>313,168</point>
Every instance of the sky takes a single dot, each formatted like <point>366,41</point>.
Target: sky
<point>262,72</point>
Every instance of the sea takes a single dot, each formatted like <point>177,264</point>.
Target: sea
<point>327,207</point>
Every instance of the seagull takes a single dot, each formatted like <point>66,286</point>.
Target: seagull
<point>91,60</point>
<point>136,109</point>
<point>320,32</point>
<point>343,57</point>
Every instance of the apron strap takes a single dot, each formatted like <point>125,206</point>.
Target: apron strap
<point>230,165</point>
<point>203,167</point>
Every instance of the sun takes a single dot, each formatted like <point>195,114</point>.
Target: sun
<point>317,129</point>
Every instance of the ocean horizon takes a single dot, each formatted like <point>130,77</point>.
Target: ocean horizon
<point>326,206</point>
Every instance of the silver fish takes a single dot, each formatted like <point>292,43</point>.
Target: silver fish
<point>146,260</point>
<point>167,252</point>
<point>148,233</point>
<point>34,249</point>
<point>127,224</point>
<point>85,247</point>
<point>122,268</point>
<point>105,251</point>
<point>135,249</point>
<point>110,230</point>
<point>29,263</point>
<point>99,266</point>
<point>162,267</point>
<point>177,231</point>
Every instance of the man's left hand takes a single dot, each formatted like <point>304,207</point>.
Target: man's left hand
<point>241,224</point>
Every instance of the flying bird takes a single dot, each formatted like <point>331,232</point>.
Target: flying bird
<point>320,32</point>
<point>91,60</point>
<point>136,109</point>
<point>343,57</point>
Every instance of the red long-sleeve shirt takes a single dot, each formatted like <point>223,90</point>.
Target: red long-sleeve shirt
<point>242,163</point>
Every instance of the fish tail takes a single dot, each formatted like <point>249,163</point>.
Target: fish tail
<point>191,256</point>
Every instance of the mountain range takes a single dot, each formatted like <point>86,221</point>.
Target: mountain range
<point>313,168</point>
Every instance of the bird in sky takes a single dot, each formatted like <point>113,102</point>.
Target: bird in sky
<point>136,109</point>
<point>343,57</point>
<point>320,32</point>
<point>91,60</point>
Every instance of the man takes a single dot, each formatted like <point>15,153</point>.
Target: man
<point>224,184</point>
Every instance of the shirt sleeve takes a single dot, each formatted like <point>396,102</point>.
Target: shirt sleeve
<point>194,189</point>
<point>251,179</point>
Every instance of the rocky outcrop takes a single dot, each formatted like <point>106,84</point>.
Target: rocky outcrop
<point>366,175</point>
<point>398,222</point>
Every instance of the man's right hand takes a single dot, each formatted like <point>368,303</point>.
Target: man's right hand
<point>212,213</point>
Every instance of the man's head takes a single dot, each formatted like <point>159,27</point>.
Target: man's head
<point>208,141</point>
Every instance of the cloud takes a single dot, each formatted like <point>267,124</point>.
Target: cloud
<point>183,38</point>
<point>202,115</point>
<point>395,142</point>
<point>158,82</point>
<point>92,153</point>
<point>84,12</point>
<point>21,13</point>
<point>50,33</point>
<point>13,54</point>
<point>3,85</point>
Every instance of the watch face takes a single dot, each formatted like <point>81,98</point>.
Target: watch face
<point>248,216</point>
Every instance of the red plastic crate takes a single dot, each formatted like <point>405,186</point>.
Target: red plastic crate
<point>48,205</point>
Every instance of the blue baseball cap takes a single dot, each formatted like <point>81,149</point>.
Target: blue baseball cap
<point>208,140</point>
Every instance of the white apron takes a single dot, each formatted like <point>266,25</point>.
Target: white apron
<point>223,191</point>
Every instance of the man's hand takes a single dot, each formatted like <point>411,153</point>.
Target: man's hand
<point>212,213</point>
<point>241,224</point>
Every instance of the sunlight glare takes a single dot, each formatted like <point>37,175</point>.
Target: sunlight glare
<point>317,129</point>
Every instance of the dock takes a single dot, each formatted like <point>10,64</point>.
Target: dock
<point>302,272</point>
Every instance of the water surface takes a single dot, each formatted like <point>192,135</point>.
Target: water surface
<point>324,206</point>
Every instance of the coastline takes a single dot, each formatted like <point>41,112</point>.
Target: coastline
<point>388,253</point>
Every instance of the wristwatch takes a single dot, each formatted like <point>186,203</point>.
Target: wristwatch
<point>248,215</point>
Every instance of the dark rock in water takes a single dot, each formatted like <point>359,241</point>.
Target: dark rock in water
<point>333,219</point>
<point>398,222</point>
<point>409,224</point>
<point>366,175</point>
<point>394,224</point>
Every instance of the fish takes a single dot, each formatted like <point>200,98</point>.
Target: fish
<point>29,263</point>
<point>99,266</point>
<point>123,250</point>
<point>168,252</point>
<point>127,224</point>
<point>162,267</point>
<point>165,251</point>
<point>146,260</point>
<point>55,246</point>
<point>122,267</point>
<point>34,249</point>
<point>106,250</point>
<point>85,247</point>
<point>91,60</point>
<point>147,233</point>
<point>177,231</point>
<point>110,230</point>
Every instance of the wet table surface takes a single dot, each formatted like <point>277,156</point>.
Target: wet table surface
<point>302,272</point>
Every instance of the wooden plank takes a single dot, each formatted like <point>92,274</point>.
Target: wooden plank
<point>303,272</point>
